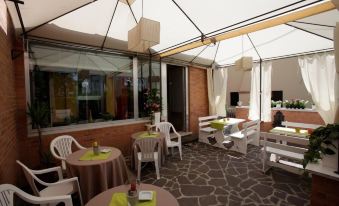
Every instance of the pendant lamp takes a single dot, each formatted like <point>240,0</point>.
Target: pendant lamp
<point>144,35</point>
<point>129,1</point>
<point>245,62</point>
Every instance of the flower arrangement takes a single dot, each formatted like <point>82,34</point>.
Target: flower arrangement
<point>152,101</point>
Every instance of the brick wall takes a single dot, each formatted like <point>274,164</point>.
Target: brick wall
<point>291,116</point>
<point>198,99</point>
<point>8,137</point>
<point>115,136</point>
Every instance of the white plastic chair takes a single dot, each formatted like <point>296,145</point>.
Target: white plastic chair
<point>165,127</point>
<point>7,192</point>
<point>148,151</point>
<point>63,145</point>
<point>59,188</point>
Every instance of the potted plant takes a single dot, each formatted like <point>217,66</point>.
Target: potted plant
<point>322,142</point>
<point>273,103</point>
<point>287,104</point>
<point>39,113</point>
<point>278,104</point>
<point>152,104</point>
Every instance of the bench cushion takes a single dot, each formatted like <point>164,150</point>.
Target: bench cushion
<point>285,153</point>
<point>240,135</point>
<point>208,129</point>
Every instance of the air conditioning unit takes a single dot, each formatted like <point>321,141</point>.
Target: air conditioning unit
<point>336,46</point>
<point>244,63</point>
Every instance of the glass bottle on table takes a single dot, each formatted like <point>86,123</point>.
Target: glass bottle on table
<point>96,148</point>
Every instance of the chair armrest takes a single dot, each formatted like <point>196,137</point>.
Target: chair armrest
<point>73,179</point>
<point>53,169</point>
<point>66,199</point>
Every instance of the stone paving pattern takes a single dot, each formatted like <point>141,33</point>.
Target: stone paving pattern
<point>212,176</point>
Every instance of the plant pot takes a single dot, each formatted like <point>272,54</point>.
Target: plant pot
<point>278,106</point>
<point>156,118</point>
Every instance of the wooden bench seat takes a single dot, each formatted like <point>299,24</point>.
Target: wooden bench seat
<point>285,152</point>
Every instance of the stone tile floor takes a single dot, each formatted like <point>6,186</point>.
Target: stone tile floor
<point>212,176</point>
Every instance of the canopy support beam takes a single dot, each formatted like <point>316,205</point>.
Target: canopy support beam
<point>244,21</point>
<point>109,26</point>
<point>202,34</point>
<point>301,29</point>
<point>40,25</point>
<point>196,56</point>
<point>262,24</point>
<point>260,74</point>
<point>215,55</point>
<point>323,25</point>
<point>130,8</point>
<point>16,3</point>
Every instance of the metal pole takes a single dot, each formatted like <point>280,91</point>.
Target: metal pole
<point>260,91</point>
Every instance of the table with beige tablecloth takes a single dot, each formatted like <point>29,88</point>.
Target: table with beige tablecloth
<point>163,148</point>
<point>96,176</point>
<point>163,197</point>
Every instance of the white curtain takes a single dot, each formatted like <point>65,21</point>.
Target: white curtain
<point>254,111</point>
<point>321,81</point>
<point>217,85</point>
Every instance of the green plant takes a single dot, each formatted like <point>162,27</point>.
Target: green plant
<point>38,113</point>
<point>273,103</point>
<point>321,142</point>
<point>107,116</point>
<point>152,102</point>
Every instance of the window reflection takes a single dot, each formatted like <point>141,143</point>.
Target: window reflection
<point>81,87</point>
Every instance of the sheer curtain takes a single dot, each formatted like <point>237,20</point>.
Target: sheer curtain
<point>217,85</point>
<point>321,81</point>
<point>254,110</point>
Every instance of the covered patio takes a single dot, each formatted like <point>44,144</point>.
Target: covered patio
<point>169,102</point>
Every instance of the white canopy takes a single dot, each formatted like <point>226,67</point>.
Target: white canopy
<point>89,25</point>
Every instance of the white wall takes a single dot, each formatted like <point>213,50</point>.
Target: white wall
<point>286,76</point>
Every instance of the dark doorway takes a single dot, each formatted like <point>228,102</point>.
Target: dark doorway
<point>176,96</point>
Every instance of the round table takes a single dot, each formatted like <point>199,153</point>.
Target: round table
<point>164,198</point>
<point>163,149</point>
<point>96,176</point>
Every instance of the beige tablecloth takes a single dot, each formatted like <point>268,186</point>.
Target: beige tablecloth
<point>164,198</point>
<point>96,176</point>
<point>163,149</point>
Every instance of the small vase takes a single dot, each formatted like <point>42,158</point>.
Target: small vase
<point>156,117</point>
<point>331,161</point>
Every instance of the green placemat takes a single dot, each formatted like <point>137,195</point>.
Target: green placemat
<point>120,199</point>
<point>89,155</point>
<point>145,135</point>
<point>218,124</point>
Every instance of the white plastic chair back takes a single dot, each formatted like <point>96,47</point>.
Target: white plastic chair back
<point>165,127</point>
<point>147,147</point>
<point>63,145</point>
<point>30,178</point>
<point>7,192</point>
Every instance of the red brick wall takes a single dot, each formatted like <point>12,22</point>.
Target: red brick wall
<point>8,136</point>
<point>115,136</point>
<point>198,99</point>
<point>291,116</point>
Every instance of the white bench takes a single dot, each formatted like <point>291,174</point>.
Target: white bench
<point>205,131</point>
<point>291,149</point>
<point>250,134</point>
<point>300,125</point>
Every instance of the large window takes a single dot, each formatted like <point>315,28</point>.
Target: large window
<point>148,78</point>
<point>81,86</point>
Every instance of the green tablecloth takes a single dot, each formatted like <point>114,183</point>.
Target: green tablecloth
<point>219,124</point>
<point>146,135</point>
<point>120,199</point>
<point>89,155</point>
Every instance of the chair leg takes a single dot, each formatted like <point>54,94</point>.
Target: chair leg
<point>139,169</point>
<point>157,168</point>
<point>180,152</point>
<point>80,196</point>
